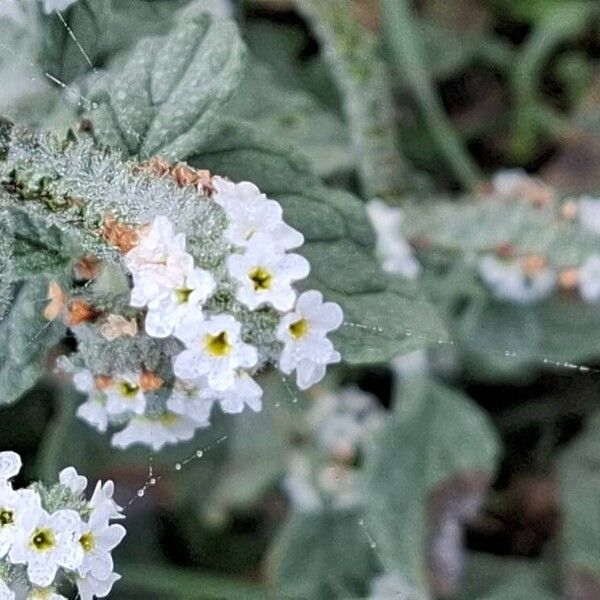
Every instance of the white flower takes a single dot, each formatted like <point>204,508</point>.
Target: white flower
<point>159,263</point>
<point>265,274</point>
<point>589,279</point>
<point>102,500</point>
<point>98,538</point>
<point>188,398</point>
<point>71,479</point>
<point>169,428</point>
<point>10,465</point>
<point>394,251</point>
<point>16,507</point>
<point>89,587</point>
<point>124,395</point>
<point>508,281</point>
<point>51,5</point>
<point>343,421</point>
<point>45,542</point>
<point>93,410</point>
<point>214,349</point>
<point>303,332</point>
<point>5,592</point>
<point>166,312</point>
<point>250,213</point>
<point>589,214</point>
<point>244,391</point>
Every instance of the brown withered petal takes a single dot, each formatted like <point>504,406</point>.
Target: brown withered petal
<point>102,382</point>
<point>87,267</point>
<point>122,236</point>
<point>58,301</point>
<point>533,264</point>
<point>79,311</point>
<point>150,382</point>
<point>159,166</point>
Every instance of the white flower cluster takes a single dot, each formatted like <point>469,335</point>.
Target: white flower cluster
<point>340,425</point>
<point>394,251</point>
<point>224,321</point>
<point>52,536</point>
<point>508,280</point>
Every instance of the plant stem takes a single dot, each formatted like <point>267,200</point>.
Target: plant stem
<point>48,461</point>
<point>407,54</point>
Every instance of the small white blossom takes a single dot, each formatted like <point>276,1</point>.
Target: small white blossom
<point>10,465</point>
<point>394,251</point>
<point>265,275</point>
<point>16,508</point>
<point>124,395</point>
<point>71,479</point>
<point>251,213</point>
<point>166,312</point>
<point>189,398</point>
<point>89,587</point>
<point>589,214</point>
<point>45,542</point>
<point>169,428</point>
<point>589,279</point>
<point>93,410</point>
<point>98,538</point>
<point>303,332</point>
<point>159,263</point>
<point>299,487</point>
<point>102,500</point>
<point>214,349</point>
<point>508,281</point>
<point>5,592</point>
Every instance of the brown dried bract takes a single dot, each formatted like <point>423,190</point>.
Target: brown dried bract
<point>87,267</point>
<point>506,250</point>
<point>58,301</point>
<point>103,382</point>
<point>122,236</point>
<point>182,174</point>
<point>150,382</point>
<point>569,279</point>
<point>533,264</point>
<point>79,311</point>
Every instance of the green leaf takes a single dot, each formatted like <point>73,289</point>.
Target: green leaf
<point>323,555</point>
<point>25,337</point>
<point>579,492</point>
<point>435,436</point>
<point>490,577</point>
<point>160,98</point>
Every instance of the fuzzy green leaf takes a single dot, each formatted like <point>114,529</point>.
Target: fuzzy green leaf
<point>579,489</point>
<point>160,98</point>
<point>436,436</point>
<point>25,337</point>
<point>323,555</point>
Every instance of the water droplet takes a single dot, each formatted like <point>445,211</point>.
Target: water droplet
<point>361,522</point>
<point>178,466</point>
<point>140,493</point>
<point>373,545</point>
<point>199,453</point>
<point>152,481</point>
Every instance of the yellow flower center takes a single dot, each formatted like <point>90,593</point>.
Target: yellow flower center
<point>217,345</point>
<point>42,540</point>
<point>169,418</point>
<point>261,279</point>
<point>7,517</point>
<point>87,541</point>
<point>127,390</point>
<point>299,329</point>
<point>183,295</point>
